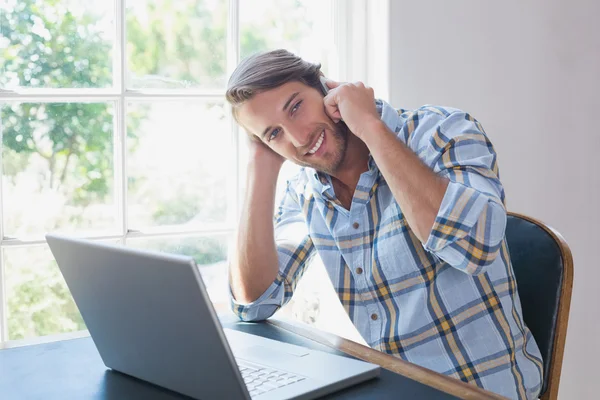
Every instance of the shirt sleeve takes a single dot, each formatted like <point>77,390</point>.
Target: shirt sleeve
<point>470,224</point>
<point>295,250</point>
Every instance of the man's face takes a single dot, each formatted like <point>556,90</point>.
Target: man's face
<point>291,120</point>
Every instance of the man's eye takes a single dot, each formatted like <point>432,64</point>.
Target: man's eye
<point>274,134</point>
<point>296,107</point>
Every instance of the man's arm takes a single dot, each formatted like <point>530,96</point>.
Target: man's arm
<point>417,189</point>
<point>254,266</point>
<point>463,222</point>
<point>272,253</point>
<point>450,194</point>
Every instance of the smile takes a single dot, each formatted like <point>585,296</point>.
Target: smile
<point>317,145</point>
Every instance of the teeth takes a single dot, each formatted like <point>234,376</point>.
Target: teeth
<point>318,144</point>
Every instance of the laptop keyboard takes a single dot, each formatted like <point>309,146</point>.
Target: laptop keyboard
<point>261,379</point>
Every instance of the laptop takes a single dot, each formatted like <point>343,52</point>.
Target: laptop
<point>150,317</point>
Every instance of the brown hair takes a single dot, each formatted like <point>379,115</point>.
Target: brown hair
<point>268,70</point>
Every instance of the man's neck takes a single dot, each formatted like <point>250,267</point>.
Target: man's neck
<point>356,161</point>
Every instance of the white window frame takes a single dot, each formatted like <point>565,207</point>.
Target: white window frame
<point>362,38</point>
<point>356,43</point>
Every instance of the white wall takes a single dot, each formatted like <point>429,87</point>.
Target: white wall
<point>529,71</point>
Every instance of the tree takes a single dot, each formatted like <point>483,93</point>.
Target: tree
<point>56,53</point>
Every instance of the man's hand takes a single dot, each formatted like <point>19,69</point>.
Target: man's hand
<point>263,156</point>
<point>354,103</point>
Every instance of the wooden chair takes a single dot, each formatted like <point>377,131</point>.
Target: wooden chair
<point>543,266</point>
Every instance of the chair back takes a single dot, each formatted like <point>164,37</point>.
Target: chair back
<point>543,266</point>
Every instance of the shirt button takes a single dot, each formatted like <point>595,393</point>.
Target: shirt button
<point>374,317</point>
<point>355,225</point>
<point>359,270</point>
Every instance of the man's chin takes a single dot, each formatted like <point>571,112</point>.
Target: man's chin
<point>328,169</point>
<point>317,166</point>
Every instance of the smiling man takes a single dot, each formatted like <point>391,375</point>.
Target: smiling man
<point>406,210</point>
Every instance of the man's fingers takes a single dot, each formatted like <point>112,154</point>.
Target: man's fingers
<point>332,84</point>
<point>331,107</point>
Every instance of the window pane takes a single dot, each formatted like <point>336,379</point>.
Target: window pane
<point>179,163</point>
<point>210,254</point>
<point>176,44</point>
<point>302,27</point>
<point>56,44</point>
<point>57,161</point>
<point>39,302</point>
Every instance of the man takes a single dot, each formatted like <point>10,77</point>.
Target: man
<point>406,210</point>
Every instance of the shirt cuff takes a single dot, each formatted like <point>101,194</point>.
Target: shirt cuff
<point>261,308</point>
<point>468,229</point>
<point>458,213</point>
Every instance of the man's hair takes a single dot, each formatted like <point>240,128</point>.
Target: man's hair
<point>268,70</point>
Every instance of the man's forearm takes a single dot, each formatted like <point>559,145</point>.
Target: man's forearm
<point>416,188</point>
<point>254,265</point>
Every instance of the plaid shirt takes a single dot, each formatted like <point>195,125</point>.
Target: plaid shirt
<point>450,304</point>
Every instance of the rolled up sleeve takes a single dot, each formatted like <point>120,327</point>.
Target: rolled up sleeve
<point>468,229</point>
<point>263,307</point>
<point>470,224</point>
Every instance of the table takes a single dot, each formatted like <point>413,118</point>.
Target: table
<point>73,369</point>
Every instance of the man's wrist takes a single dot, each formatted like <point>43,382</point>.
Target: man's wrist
<point>373,130</point>
<point>263,169</point>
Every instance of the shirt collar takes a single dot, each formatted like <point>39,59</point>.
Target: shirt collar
<point>319,180</point>
<point>389,115</point>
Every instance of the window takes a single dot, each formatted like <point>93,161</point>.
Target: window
<point>114,127</point>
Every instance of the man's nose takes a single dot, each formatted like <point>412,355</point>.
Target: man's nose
<point>299,136</point>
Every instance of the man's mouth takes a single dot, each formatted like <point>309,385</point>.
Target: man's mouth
<point>317,145</point>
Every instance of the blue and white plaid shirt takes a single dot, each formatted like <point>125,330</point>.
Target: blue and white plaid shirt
<point>450,304</point>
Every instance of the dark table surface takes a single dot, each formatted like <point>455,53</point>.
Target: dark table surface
<point>73,369</point>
